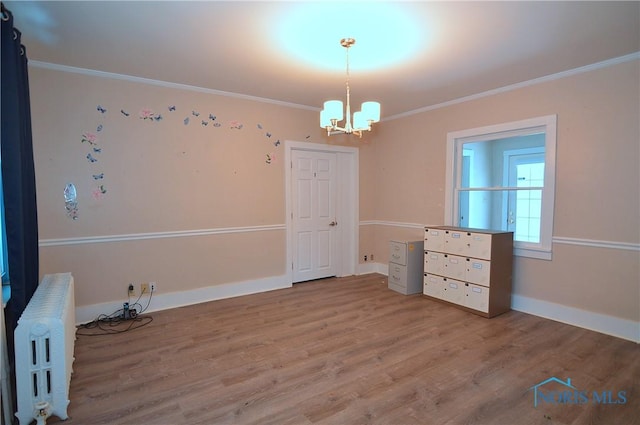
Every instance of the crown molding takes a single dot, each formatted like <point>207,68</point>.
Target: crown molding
<point>516,86</point>
<point>167,84</point>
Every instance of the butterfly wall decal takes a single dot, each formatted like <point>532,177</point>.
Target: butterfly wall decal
<point>90,138</point>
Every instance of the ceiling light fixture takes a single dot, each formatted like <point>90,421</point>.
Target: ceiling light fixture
<point>333,112</point>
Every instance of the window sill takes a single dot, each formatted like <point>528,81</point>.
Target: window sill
<point>533,253</point>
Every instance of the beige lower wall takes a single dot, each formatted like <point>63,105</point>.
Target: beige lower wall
<point>386,233</point>
<point>601,280</point>
<point>103,270</point>
<point>367,234</point>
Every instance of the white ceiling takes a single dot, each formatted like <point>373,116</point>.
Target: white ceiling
<point>431,52</point>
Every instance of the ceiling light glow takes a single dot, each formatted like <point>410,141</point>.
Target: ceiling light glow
<point>387,35</point>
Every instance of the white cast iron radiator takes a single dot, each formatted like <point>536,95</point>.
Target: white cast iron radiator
<point>44,340</point>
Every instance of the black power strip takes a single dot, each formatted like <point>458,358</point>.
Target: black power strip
<point>128,313</point>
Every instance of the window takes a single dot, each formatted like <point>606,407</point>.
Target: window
<point>502,177</point>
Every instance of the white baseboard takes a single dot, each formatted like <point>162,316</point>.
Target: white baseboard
<point>610,325</point>
<point>603,323</point>
<point>164,301</point>
<point>366,268</point>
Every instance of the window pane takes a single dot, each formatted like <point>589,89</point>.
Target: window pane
<point>483,163</point>
<point>483,209</point>
<point>518,211</point>
<point>527,213</point>
<point>530,175</point>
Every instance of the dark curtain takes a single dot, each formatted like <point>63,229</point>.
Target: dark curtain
<point>18,174</point>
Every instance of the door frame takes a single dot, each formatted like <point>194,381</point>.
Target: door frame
<point>347,205</point>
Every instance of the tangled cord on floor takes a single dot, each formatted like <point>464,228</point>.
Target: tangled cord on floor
<point>116,323</point>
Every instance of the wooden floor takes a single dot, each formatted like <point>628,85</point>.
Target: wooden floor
<point>348,351</point>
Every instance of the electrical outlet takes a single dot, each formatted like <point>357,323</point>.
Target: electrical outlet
<point>144,288</point>
<point>132,290</point>
<point>371,257</point>
<point>152,285</point>
<point>365,258</point>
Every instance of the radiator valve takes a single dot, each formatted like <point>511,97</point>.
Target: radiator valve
<point>41,412</point>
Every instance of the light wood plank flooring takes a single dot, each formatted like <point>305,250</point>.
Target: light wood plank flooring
<point>347,351</point>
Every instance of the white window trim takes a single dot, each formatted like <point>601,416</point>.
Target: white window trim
<point>455,139</point>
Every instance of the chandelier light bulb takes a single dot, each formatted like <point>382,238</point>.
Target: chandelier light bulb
<point>371,111</point>
<point>334,110</point>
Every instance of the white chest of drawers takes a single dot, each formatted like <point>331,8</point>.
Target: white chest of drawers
<point>406,266</point>
<point>469,268</point>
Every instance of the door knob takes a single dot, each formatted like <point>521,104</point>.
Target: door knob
<point>333,223</point>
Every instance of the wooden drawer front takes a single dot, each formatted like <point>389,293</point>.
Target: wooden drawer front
<point>476,297</point>
<point>434,286</point>
<point>398,252</point>
<point>455,267</point>
<point>398,275</point>
<point>434,262</point>
<point>434,239</point>
<point>456,242</point>
<point>453,291</point>
<point>480,245</point>
<point>478,271</point>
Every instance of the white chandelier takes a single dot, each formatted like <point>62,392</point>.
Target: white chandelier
<point>333,112</point>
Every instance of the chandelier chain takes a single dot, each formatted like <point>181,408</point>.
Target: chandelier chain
<point>348,69</point>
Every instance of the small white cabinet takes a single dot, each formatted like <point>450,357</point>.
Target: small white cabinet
<point>470,268</point>
<point>406,266</point>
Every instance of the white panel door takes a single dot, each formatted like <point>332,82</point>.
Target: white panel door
<point>314,215</point>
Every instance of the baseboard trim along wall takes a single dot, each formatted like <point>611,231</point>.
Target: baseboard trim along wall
<point>603,323</point>
<point>165,301</point>
<point>609,325</point>
<point>372,267</point>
